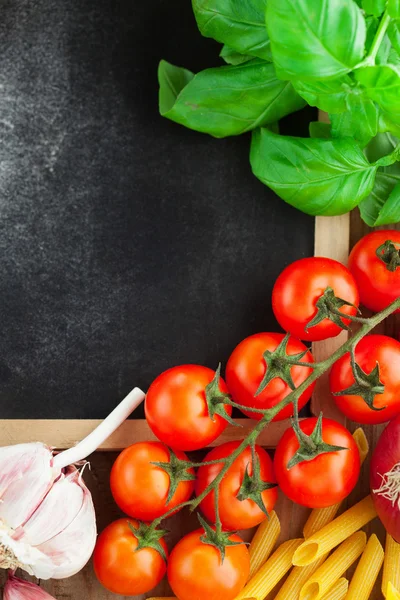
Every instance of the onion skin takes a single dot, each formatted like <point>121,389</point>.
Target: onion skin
<point>386,455</point>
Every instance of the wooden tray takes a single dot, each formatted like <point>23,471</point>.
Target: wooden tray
<point>333,237</point>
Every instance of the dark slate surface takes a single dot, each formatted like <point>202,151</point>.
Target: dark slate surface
<point>128,244</point>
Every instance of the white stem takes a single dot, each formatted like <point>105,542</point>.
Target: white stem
<point>101,433</point>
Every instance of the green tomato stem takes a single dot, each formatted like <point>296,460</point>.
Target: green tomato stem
<point>292,398</point>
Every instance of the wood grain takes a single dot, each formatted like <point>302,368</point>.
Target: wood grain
<point>66,433</point>
<point>332,240</point>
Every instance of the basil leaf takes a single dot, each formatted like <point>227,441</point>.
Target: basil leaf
<point>373,209</point>
<point>328,95</point>
<point>390,212</point>
<point>320,130</point>
<point>382,145</point>
<point>359,122</point>
<point>374,7</point>
<point>394,58</point>
<point>172,80</point>
<point>382,84</point>
<point>386,125</point>
<point>319,177</point>
<point>238,23</point>
<point>394,34</point>
<point>315,40</point>
<point>384,51</point>
<point>227,100</point>
<point>232,57</point>
<point>372,24</point>
<point>393,8</point>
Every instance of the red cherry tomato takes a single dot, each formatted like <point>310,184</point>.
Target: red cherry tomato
<point>196,572</point>
<point>246,368</point>
<point>120,567</point>
<point>177,411</point>
<point>370,351</point>
<point>325,480</point>
<point>235,513</point>
<point>140,488</point>
<point>378,285</point>
<point>301,285</point>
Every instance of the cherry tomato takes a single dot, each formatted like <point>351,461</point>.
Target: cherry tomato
<point>235,513</point>
<point>301,285</point>
<point>176,408</point>
<point>246,369</point>
<point>195,570</point>
<point>324,480</point>
<point>377,283</point>
<point>371,351</point>
<point>133,472</point>
<point>120,567</point>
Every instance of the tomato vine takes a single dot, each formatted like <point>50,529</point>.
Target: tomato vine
<point>318,369</point>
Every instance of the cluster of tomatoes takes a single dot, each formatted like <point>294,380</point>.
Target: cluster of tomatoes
<point>188,407</point>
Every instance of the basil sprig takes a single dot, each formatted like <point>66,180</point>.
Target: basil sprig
<point>341,56</point>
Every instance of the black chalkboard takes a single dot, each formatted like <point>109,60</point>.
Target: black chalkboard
<point>128,243</point>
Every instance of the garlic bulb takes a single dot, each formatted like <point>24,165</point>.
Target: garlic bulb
<point>47,518</point>
<point>17,589</point>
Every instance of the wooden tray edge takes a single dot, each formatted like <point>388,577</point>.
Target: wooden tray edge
<point>64,433</point>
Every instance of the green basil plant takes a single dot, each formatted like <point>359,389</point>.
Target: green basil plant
<point>341,56</point>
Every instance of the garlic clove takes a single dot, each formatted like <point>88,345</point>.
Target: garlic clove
<point>58,509</point>
<point>14,554</point>
<point>26,477</point>
<point>71,549</point>
<point>17,589</point>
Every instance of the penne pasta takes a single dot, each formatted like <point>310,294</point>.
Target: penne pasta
<point>338,591</point>
<point>392,593</point>
<point>271,572</point>
<point>391,565</point>
<point>263,542</point>
<point>335,532</point>
<point>334,567</point>
<point>320,517</point>
<point>362,443</point>
<point>297,577</point>
<point>367,571</point>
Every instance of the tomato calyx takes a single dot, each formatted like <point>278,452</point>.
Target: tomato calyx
<point>253,486</point>
<point>216,537</point>
<point>328,306</point>
<point>178,470</point>
<point>279,363</point>
<point>389,254</point>
<point>311,445</point>
<point>148,537</point>
<point>216,400</point>
<point>367,385</point>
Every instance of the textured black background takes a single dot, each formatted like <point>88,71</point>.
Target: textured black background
<point>128,243</point>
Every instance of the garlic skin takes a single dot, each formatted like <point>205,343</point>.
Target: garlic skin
<point>17,589</point>
<point>47,518</point>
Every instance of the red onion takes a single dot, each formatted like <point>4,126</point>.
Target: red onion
<point>385,478</point>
